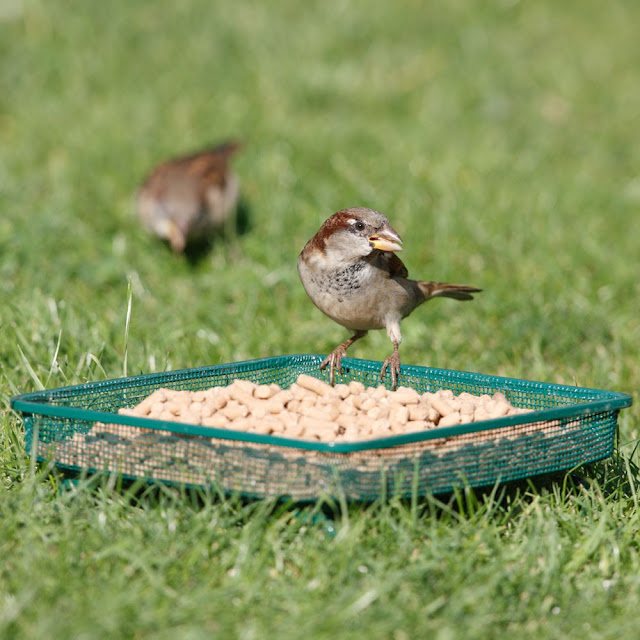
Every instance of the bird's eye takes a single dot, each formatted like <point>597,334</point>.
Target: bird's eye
<point>359,225</point>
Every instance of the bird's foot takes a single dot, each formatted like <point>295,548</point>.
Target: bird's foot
<point>334,359</point>
<point>393,364</point>
<point>334,362</point>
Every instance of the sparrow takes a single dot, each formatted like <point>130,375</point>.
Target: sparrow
<point>351,272</point>
<point>184,199</point>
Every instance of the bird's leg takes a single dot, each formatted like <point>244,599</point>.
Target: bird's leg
<point>334,359</point>
<point>393,362</point>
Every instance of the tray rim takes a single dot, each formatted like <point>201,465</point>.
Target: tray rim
<point>34,404</point>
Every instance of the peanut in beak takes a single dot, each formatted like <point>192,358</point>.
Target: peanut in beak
<point>386,240</point>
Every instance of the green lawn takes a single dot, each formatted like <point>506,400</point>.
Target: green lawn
<point>501,138</point>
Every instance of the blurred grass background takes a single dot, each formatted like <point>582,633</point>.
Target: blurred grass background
<point>501,139</point>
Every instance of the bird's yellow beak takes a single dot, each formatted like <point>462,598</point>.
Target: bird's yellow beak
<point>386,240</point>
<point>170,231</point>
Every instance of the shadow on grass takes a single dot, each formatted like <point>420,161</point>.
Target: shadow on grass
<point>613,479</point>
<point>238,225</point>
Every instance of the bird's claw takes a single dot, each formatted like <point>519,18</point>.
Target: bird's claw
<point>334,361</point>
<point>393,364</point>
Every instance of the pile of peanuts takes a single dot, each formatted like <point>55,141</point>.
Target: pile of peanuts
<point>312,409</point>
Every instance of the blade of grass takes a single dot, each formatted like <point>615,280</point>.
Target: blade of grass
<point>31,371</point>
<point>127,325</point>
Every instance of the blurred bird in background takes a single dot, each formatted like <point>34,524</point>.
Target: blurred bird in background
<point>184,200</point>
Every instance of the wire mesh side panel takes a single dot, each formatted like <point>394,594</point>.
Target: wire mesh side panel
<point>479,458</point>
<point>111,395</point>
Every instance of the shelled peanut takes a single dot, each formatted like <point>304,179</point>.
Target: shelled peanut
<point>312,409</point>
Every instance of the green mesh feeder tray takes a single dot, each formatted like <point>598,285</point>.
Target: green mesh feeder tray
<point>566,427</point>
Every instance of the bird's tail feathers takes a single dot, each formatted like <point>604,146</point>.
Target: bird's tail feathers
<point>227,148</point>
<point>447,290</point>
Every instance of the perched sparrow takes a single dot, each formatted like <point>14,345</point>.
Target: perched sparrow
<point>351,273</point>
<point>183,200</point>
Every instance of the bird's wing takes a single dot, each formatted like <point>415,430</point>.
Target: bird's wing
<point>209,166</point>
<point>394,265</point>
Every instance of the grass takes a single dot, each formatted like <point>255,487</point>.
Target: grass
<point>501,139</point>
